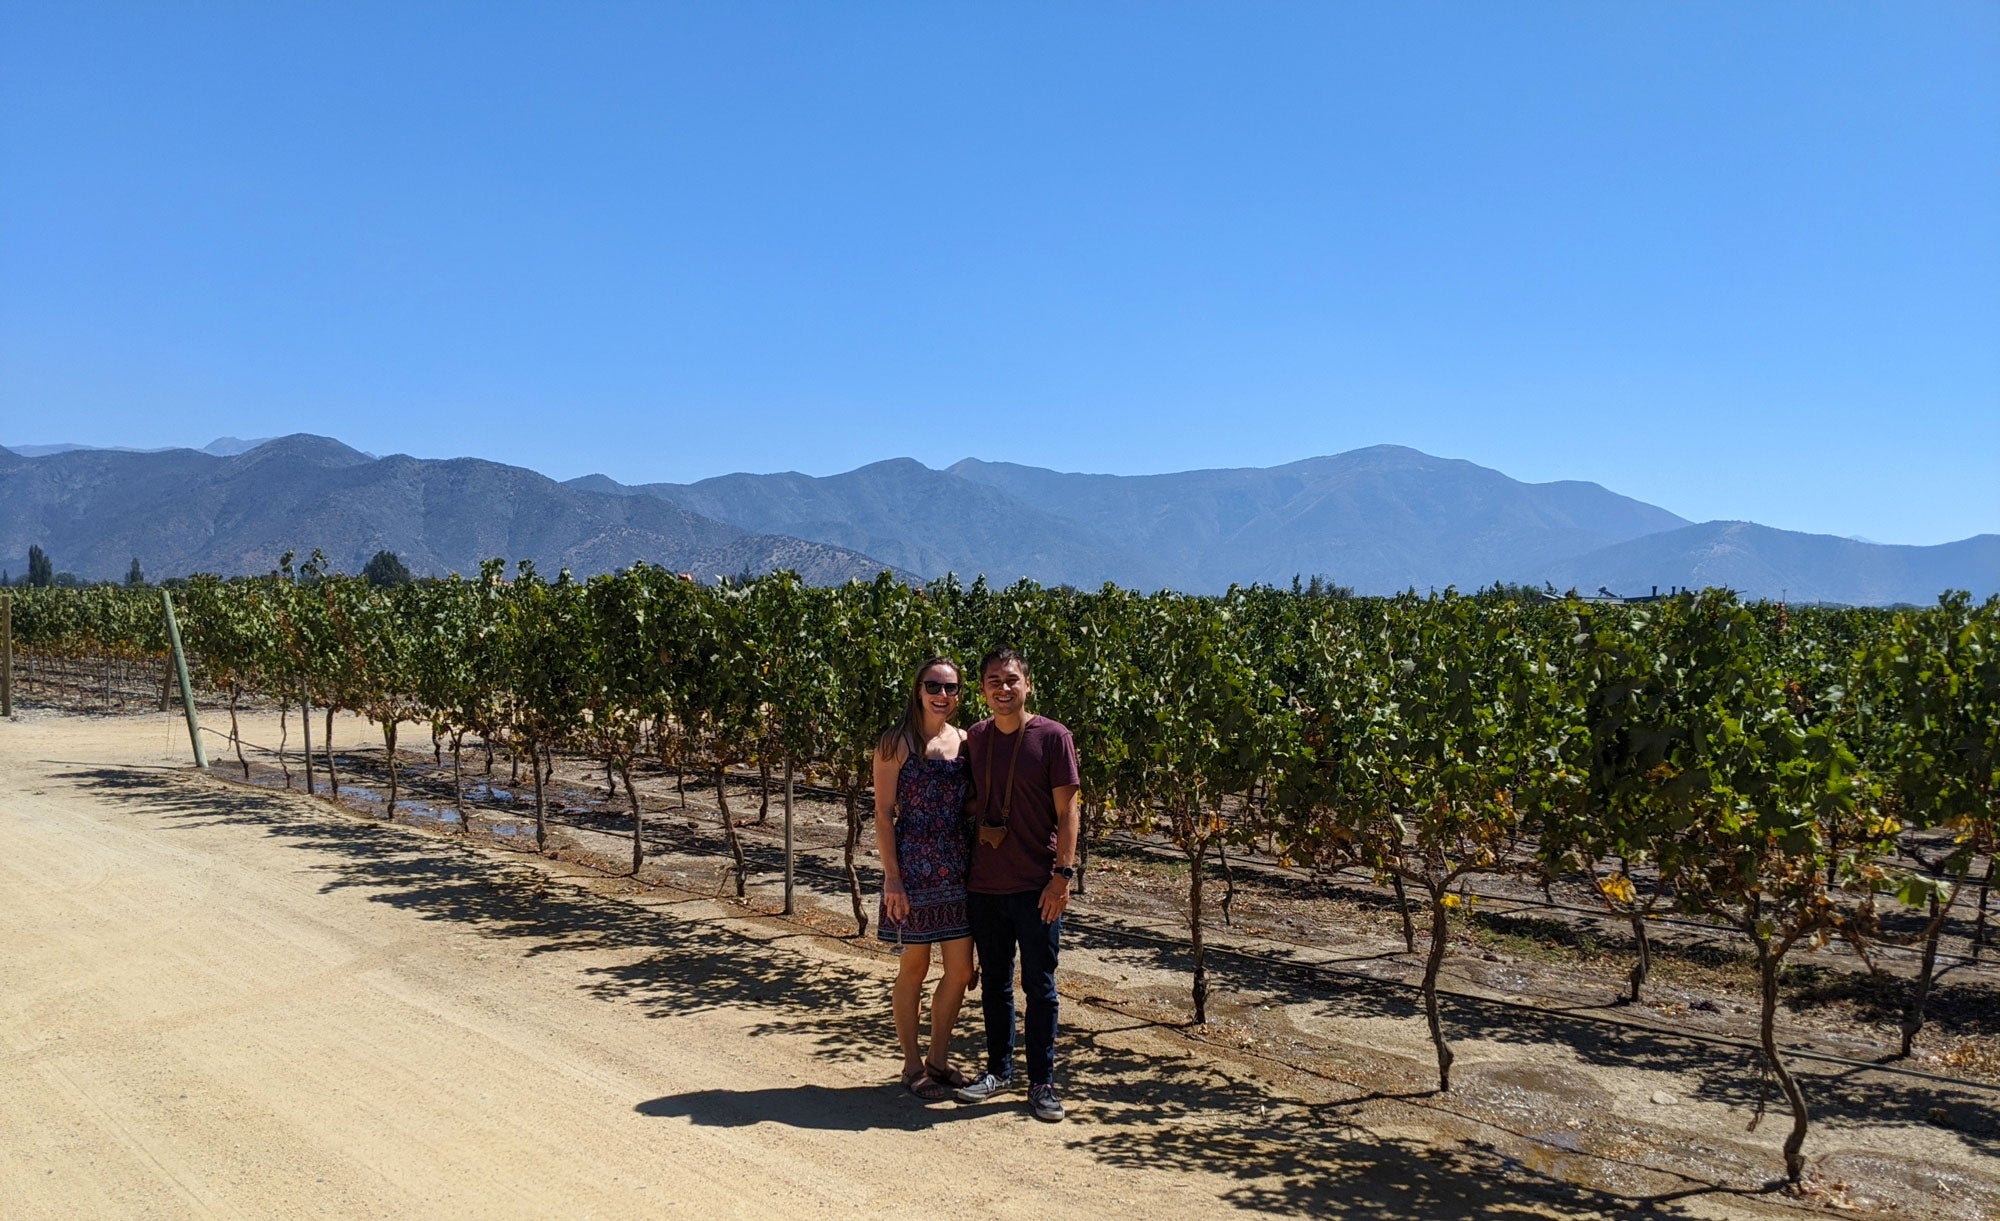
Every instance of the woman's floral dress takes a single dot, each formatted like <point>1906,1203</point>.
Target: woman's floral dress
<point>930,851</point>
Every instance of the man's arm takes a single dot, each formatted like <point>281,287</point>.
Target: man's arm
<point>1055,897</point>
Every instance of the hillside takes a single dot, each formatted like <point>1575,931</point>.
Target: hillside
<point>929,522</point>
<point>1379,520</point>
<point>186,511</point>
<point>1784,563</point>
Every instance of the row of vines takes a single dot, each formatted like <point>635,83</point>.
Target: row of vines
<point>1796,775</point>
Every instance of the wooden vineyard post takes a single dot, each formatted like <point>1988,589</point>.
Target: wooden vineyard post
<point>788,837</point>
<point>6,655</point>
<point>187,688</point>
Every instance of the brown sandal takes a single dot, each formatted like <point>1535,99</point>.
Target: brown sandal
<point>950,1077</point>
<point>926,1088</point>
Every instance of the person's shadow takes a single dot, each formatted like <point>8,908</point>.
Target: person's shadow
<point>855,1108</point>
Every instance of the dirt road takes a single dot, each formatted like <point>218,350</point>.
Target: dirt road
<point>215,1000</point>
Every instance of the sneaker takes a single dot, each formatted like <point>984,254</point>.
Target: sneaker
<point>1043,1102</point>
<point>984,1088</point>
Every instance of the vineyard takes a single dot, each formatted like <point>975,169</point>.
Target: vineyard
<point>1795,779</point>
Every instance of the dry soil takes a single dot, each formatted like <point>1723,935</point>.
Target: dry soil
<point>221,1000</point>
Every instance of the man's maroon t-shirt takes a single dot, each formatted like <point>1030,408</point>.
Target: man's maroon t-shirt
<point>1026,858</point>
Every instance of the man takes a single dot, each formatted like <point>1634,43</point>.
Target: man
<point>1025,782</point>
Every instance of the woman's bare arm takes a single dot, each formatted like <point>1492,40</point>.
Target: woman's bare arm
<point>894,900</point>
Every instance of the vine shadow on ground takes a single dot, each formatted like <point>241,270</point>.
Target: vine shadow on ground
<point>1157,1110</point>
<point>688,966</point>
<point>1849,1095</point>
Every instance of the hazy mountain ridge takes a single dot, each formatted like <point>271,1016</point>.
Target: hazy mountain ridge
<point>221,447</point>
<point>1380,520</point>
<point>186,511</point>
<point>929,522</point>
<point>1801,567</point>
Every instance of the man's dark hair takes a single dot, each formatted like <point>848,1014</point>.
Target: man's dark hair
<point>1000,657</point>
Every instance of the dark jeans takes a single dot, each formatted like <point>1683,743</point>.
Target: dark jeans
<point>999,924</point>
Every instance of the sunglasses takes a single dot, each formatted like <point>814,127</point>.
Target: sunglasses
<point>934,687</point>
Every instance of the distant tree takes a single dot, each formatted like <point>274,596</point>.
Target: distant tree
<point>68,580</point>
<point>1320,586</point>
<point>386,570</point>
<point>136,576</point>
<point>41,569</point>
<point>1510,591</point>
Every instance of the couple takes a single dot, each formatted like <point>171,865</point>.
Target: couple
<point>1002,890</point>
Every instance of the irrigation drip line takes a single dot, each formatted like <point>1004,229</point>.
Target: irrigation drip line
<point>1528,902</point>
<point>1155,849</point>
<point>866,802</point>
<point>319,751</point>
<point>1126,932</point>
<point>1523,903</point>
<point>227,737</point>
<point>1532,842</point>
<point>1273,962</point>
<point>1122,931</point>
<point>295,752</point>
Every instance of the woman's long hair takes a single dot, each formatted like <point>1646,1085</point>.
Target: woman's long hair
<point>908,729</point>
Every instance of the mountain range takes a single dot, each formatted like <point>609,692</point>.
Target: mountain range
<point>1377,520</point>
<point>183,510</point>
<point>221,447</point>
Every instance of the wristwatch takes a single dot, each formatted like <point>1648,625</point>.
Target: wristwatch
<point>1066,872</point>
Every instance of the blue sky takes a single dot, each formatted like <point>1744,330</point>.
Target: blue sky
<point>1741,260</point>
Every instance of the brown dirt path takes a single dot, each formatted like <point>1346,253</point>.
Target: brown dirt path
<point>221,1001</point>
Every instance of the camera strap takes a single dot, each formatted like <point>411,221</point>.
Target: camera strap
<point>991,834</point>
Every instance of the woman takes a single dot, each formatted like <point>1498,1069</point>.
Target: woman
<point>920,783</point>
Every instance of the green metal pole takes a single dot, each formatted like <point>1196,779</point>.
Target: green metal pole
<point>306,719</point>
<point>6,655</point>
<point>788,834</point>
<point>187,688</point>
